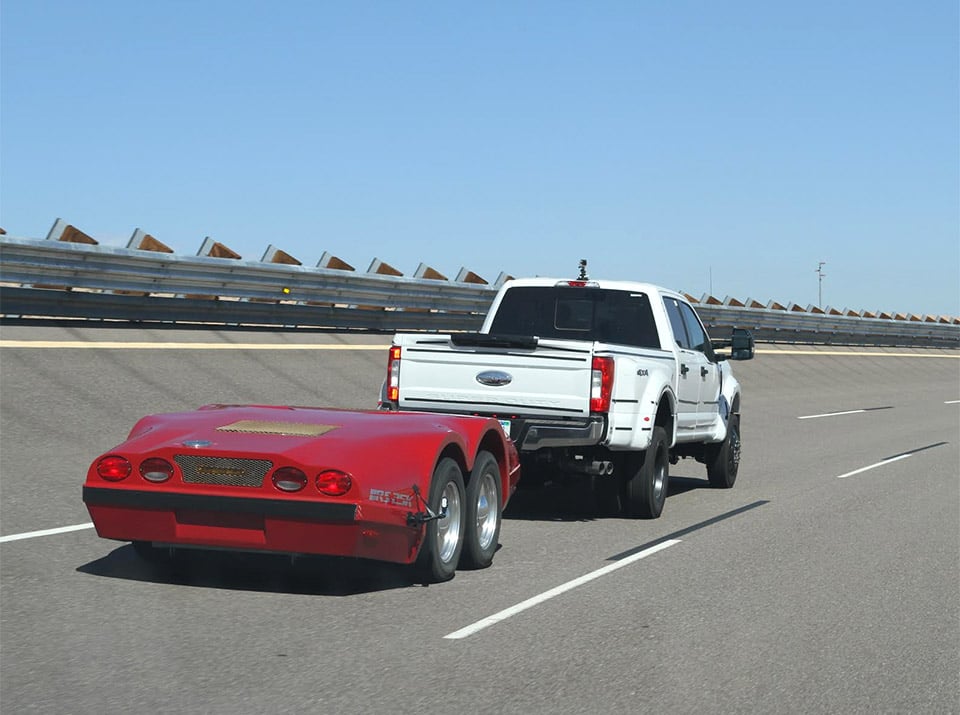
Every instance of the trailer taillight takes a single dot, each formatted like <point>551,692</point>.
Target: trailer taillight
<point>156,470</point>
<point>334,483</point>
<point>601,384</point>
<point>289,479</point>
<point>393,374</point>
<point>114,468</point>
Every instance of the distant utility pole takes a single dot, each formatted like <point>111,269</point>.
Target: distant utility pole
<point>820,275</point>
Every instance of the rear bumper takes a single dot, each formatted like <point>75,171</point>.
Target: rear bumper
<point>533,434</point>
<point>250,524</point>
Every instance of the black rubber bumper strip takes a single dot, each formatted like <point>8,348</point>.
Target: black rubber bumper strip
<point>168,501</point>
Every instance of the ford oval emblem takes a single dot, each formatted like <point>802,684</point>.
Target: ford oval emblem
<point>196,443</point>
<point>494,378</point>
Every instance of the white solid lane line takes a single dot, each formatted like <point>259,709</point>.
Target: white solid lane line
<point>45,532</point>
<point>563,588</point>
<point>874,466</point>
<point>830,414</point>
<point>952,402</point>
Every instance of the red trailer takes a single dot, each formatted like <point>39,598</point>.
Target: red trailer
<point>410,488</point>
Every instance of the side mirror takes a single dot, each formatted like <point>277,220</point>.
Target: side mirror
<point>740,343</point>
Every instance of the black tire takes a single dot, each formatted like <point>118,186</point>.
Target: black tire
<point>443,538</point>
<point>607,494</point>
<point>723,461</point>
<point>152,554</point>
<point>482,513</point>
<point>645,489</point>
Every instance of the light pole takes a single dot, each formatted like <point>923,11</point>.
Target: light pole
<point>820,275</point>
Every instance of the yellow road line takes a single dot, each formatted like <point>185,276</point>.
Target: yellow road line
<point>105,345</point>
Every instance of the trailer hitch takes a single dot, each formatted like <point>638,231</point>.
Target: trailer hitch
<point>422,517</point>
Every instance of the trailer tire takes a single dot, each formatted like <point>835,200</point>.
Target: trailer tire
<point>443,537</point>
<point>482,512</point>
<point>723,460</point>
<point>645,487</point>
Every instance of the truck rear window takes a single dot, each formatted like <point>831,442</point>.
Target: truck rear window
<point>575,313</point>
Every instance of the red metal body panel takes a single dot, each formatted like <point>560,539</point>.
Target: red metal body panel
<point>215,500</point>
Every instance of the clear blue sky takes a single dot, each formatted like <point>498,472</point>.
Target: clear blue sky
<point>663,140</point>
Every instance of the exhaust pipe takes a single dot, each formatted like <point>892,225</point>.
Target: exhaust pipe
<point>600,468</point>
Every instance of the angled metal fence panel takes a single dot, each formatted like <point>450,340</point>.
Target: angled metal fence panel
<point>777,326</point>
<point>31,262</point>
<point>54,279</point>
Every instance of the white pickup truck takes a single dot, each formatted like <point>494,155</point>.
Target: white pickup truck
<point>605,380</point>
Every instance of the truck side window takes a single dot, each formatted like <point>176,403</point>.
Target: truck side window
<point>676,322</point>
<point>698,336</point>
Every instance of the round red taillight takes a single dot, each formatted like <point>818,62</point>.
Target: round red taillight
<point>114,468</point>
<point>334,483</point>
<point>289,479</point>
<point>156,470</point>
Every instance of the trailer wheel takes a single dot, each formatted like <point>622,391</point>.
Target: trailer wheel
<point>646,486</point>
<point>482,513</point>
<point>443,537</point>
<point>723,460</point>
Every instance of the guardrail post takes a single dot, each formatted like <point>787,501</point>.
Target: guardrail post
<point>465,276</point>
<point>143,241</point>
<point>328,260</point>
<point>63,231</point>
<point>215,249</point>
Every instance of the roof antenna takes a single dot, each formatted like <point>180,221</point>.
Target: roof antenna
<point>583,270</point>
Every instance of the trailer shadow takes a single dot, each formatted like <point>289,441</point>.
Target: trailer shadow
<point>576,502</point>
<point>266,573</point>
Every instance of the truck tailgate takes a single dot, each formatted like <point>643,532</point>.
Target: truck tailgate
<point>551,379</point>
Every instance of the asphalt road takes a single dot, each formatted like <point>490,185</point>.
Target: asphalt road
<point>811,586</point>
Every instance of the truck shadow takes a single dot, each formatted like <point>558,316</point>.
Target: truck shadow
<point>266,573</point>
<point>576,502</point>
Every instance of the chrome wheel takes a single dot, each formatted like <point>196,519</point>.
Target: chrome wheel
<point>449,526</point>
<point>488,511</point>
<point>659,479</point>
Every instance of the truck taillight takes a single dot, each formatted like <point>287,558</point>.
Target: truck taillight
<point>393,374</point>
<point>601,384</point>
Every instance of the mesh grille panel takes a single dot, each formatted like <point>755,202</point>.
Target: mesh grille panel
<point>223,471</point>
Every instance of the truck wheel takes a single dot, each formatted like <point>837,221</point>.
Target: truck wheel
<point>646,488</point>
<point>482,513</point>
<point>723,461</point>
<point>443,537</point>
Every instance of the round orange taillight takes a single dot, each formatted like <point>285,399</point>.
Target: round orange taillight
<point>334,483</point>
<point>114,468</point>
<point>156,470</point>
<point>289,479</point>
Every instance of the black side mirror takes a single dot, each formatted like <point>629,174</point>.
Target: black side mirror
<point>741,344</point>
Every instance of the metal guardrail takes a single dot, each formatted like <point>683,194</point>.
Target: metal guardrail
<point>54,279</point>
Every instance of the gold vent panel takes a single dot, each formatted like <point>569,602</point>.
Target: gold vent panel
<point>287,429</point>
